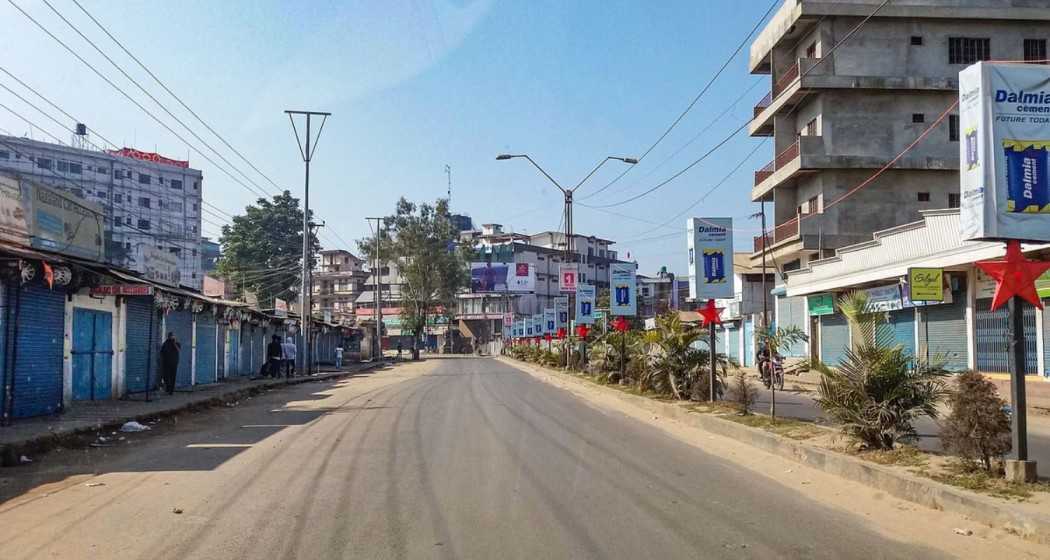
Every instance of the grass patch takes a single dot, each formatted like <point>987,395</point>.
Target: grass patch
<point>787,427</point>
<point>905,456</point>
<point>978,480</point>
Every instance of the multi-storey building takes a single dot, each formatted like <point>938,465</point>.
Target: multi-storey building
<point>150,204</point>
<point>338,280</point>
<point>835,117</point>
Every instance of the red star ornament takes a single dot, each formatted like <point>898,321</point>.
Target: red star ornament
<point>711,314</point>
<point>1015,275</point>
<point>621,324</point>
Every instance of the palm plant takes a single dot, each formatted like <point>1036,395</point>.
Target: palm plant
<point>675,365</point>
<point>879,390</point>
<point>781,338</point>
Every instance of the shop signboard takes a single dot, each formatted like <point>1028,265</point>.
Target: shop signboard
<point>925,284</point>
<point>821,304</point>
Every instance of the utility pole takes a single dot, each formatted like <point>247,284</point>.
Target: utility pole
<point>307,153</point>
<point>377,293</point>
<point>765,307</point>
<point>448,172</point>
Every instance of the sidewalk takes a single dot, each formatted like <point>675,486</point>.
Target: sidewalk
<point>797,401</point>
<point>31,436</point>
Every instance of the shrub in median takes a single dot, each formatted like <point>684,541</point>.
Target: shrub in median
<point>978,427</point>
<point>742,392</point>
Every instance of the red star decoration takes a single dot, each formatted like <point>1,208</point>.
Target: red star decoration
<point>1015,275</point>
<point>547,337</point>
<point>582,330</point>
<point>711,314</point>
<point>561,333</point>
<point>621,324</point>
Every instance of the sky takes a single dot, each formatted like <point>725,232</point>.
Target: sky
<point>414,86</point>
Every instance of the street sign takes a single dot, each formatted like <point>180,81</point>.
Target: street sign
<point>821,304</point>
<point>584,304</point>
<point>568,274</point>
<point>925,284</point>
<point>710,244</point>
<point>622,286</point>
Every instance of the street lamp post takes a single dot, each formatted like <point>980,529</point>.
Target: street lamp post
<point>567,193</point>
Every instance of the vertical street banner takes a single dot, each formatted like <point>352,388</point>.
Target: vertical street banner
<point>710,244</point>
<point>561,307</point>
<point>567,276</point>
<point>622,289</point>
<point>1004,155</point>
<point>550,320</point>
<point>527,324</point>
<point>584,304</point>
<point>508,325</point>
<point>538,324</point>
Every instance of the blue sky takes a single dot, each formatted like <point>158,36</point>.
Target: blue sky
<point>416,85</point>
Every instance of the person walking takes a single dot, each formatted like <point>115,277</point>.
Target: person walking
<point>169,362</point>
<point>399,348</point>
<point>274,354</point>
<point>289,356</point>
<point>339,356</point>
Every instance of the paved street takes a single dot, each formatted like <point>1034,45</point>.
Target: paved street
<point>447,458</point>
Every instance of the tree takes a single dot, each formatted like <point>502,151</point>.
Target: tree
<point>978,427</point>
<point>262,249</point>
<point>423,242</point>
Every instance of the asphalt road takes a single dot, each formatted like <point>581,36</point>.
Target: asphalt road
<point>452,458</point>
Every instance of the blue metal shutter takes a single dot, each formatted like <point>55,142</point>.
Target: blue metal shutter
<point>733,339</point>
<point>142,346</point>
<point>41,334</point>
<point>723,342</point>
<point>259,350</point>
<point>992,337</point>
<point>205,348</point>
<point>834,339</point>
<point>233,339</point>
<point>220,348</point>
<point>1046,337</point>
<point>791,312</point>
<point>947,332</point>
<point>749,342</point>
<point>899,329</point>
<point>181,323</point>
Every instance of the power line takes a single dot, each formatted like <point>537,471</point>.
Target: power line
<point>697,97</point>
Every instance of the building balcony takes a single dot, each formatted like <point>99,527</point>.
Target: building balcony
<point>784,232</point>
<point>802,156</point>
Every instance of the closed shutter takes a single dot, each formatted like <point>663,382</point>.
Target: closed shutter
<point>37,376</point>
<point>205,348</point>
<point>181,323</point>
<point>947,332</point>
<point>220,348</point>
<point>899,330</point>
<point>749,343</point>
<point>233,337</point>
<point>723,342</point>
<point>141,348</point>
<point>734,343</point>
<point>791,312</point>
<point>834,339</point>
<point>993,344</point>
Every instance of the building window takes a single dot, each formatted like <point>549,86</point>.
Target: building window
<point>43,163</point>
<point>63,166</point>
<point>196,185</point>
<point>916,40</point>
<point>967,50</point>
<point>811,127</point>
<point>101,171</point>
<point>918,118</point>
<point>175,184</point>
<point>814,205</point>
<point>953,200</point>
<point>194,206</point>
<point>144,202</point>
<point>128,220</point>
<point>811,50</point>
<point>118,220</point>
<point>5,155</point>
<point>143,224</point>
<point>1035,51</point>
<point>76,168</point>
<point>144,179</point>
<point>118,198</point>
<point>101,194</point>
<point>953,128</point>
<point>924,197</point>
<point>175,251</point>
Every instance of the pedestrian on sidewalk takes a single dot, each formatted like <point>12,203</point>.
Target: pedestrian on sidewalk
<point>339,356</point>
<point>289,356</point>
<point>169,362</point>
<point>274,354</point>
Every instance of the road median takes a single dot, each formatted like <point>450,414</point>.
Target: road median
<point>1031,521</point>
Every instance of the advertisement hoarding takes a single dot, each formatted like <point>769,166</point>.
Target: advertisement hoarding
<point>710,245</point>
<point>160,266</point>
<point>622,288</point>
<point>501,277</point>
<point>1004,155</point>
<point>523,279</point>
<point>567,276</point>
<point>584,304</point>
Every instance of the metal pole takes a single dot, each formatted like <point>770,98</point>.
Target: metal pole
<point>623,352</point>
<point>765,312</point>
<point>1019,421</point>
<point>714,367</point>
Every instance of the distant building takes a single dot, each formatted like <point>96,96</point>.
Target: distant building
<point>338,280</point>
<point>151,203</point>
<point>210,253</point>
<point>658,294</point>
<point>462,222</point>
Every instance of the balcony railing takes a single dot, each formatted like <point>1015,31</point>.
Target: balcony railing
<point>763,103</point>
<point>785,81</point>
<point>782,159</point>
<point>784,231</point>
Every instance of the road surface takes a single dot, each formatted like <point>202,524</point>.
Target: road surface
<point>448,458</point>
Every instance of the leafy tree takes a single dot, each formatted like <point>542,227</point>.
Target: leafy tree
<point>879,390</point>
<point>978,428</point>
<point>262,249</point>
<point>423,241</point>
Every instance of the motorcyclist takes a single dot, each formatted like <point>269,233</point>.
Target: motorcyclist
<point>763,363</point>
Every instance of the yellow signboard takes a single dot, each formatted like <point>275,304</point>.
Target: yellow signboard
<point>926,284</point>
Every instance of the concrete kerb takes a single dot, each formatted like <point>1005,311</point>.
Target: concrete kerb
<point>930,493</point>
<point>78,436</point>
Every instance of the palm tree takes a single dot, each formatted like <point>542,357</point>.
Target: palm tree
<point>675,364</point>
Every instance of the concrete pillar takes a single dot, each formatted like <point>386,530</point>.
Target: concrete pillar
<point>1040,342</point>
<point>971,318</point>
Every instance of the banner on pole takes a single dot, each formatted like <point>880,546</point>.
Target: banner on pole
<point>538,324</point>
<point>584,304</point>
<point>710,245</point>
<point>550,320</point>
<point>622,288</point>
<point>561,307</point>
<point>1004,156</point>
<point>568,274</point>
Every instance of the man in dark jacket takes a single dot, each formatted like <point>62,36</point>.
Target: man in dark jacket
<point>169,362</point>
<point>274,356</point>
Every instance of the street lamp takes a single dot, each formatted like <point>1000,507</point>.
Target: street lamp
<point>569,255</point>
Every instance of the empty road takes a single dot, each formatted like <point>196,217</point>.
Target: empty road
<point>447,458</point>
